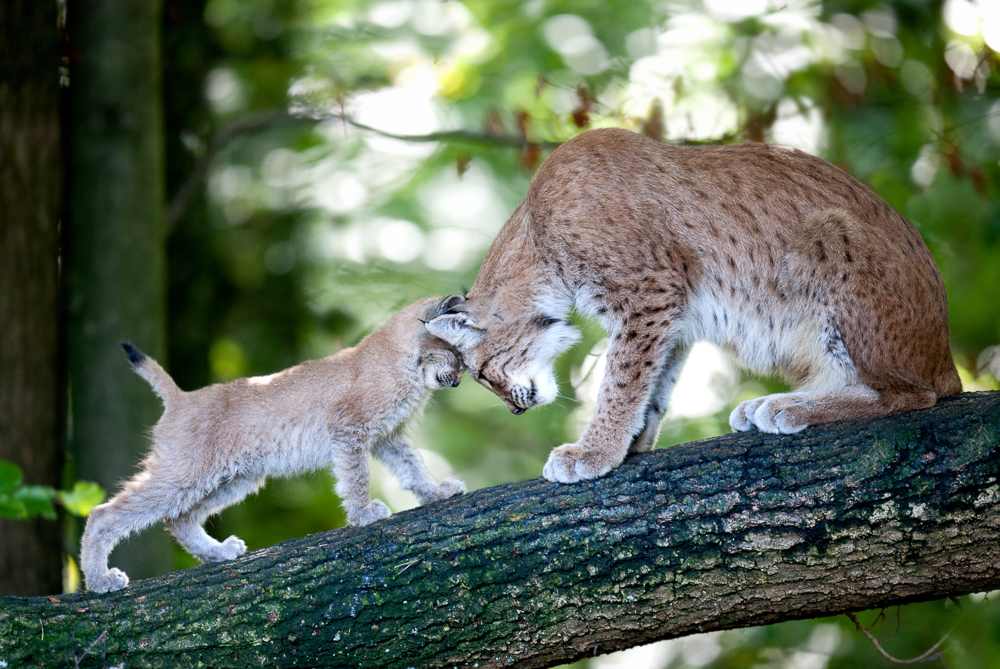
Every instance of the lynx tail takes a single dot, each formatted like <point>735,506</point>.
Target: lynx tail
<point>150,370</point>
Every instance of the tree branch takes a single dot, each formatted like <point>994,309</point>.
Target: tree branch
<point>267,119</point>
<point>730,532</point>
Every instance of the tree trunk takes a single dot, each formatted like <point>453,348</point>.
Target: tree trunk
<point>116,252</point>
<point>30,196</point>
<point>198,280</point>
<point>730,532</point>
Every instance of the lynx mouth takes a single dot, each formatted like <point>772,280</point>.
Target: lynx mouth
<point>514,409</point>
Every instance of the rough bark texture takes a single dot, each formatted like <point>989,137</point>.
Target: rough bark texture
<point>729,532</point>
<point>30,196</point>
<point>116,252</point>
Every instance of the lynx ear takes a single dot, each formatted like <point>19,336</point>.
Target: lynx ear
<point>448,303</point>
<point>458,330</point>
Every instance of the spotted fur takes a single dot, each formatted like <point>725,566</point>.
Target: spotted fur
<point>780,258</point>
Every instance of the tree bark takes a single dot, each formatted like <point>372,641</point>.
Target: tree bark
<point>729,532</point>
<point>116,252</point>
<point>30,196</point>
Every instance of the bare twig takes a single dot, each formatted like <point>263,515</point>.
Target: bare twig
<point>100,638</point>
<point>241,127</point>
<point>932,653</point>
<point>268,119</point>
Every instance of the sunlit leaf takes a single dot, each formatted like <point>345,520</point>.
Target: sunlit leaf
<point>84,496</point>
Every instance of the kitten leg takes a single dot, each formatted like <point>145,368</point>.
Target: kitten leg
<point>407,466</point>
<point>638,350</point>
<point>350,467</point>
<point>659,399</point>
<point>132,510</point>
<point>189,528</point>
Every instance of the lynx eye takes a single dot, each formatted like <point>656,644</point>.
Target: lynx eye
<point>483,380</point>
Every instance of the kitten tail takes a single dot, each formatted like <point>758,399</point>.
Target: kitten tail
<point>150,370</point>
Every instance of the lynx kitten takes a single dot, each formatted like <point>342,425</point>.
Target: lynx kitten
<point>778,257</point>
<point>214,446</point>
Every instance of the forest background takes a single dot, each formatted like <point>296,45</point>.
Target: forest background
<point>324,162</point>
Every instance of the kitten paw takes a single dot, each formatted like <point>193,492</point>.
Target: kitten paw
<point>113,579</point>
<point>368,514</point>
<point>570,463</point>
<point>450,487</point>
<point>232,548</point>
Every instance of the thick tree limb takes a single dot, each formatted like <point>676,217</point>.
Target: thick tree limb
<point>729,532</point>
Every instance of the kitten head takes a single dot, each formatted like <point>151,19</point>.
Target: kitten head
<point>509,349</point>
<point>440,366</point>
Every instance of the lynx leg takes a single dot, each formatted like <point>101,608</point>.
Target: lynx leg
<point>189,528</point>
<point>659,399</point>
<point>881,316</point>
<point>636,355</point>
<point>787,413</point>
<point>350,468</point>
<point>407,466</point>
<point>129,511</point>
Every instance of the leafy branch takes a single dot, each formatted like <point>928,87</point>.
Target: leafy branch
<point>21,502</point>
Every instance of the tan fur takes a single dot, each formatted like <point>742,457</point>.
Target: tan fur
<point>214,446</point>
<point>777,256</point>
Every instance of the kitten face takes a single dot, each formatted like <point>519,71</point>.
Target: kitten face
<point>439,365</point>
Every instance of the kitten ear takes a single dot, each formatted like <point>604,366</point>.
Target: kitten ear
<point>458,330</point>
<point>448,303</point>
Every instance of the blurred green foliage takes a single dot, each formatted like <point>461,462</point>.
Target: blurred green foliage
<point>310,230</point>
<point>21,502</point>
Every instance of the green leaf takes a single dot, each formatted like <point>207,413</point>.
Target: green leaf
<point>10,476</point>
<point>84,496</point>
<point>12,508</point>
<point>37,500</point>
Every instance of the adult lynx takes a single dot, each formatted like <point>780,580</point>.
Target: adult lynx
<point>780,258</point>
<point>216,445</point>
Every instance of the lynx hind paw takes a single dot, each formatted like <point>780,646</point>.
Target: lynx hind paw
<point>112,580</point>
<point>777,414</point>
<point>570,463</point>
<point>366,515</point>
<point>741,419</point>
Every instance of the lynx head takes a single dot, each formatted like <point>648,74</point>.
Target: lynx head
<point>508,348</point>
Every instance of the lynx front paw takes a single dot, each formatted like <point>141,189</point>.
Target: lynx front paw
<point>368,514</point>
<point>570,463</point>
<point>113,579</point>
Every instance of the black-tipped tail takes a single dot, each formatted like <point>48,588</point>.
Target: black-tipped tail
<point>135,356</point>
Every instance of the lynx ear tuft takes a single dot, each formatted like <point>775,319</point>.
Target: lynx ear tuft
<point>459,330</point>
<point>449,303</point>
